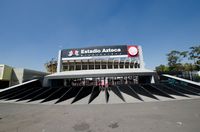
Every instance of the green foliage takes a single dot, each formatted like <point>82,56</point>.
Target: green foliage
<point>188,67</point>
<point>162,68</point>
<point>194,54</point>
<point>175,58</point>
<point>197,79</point>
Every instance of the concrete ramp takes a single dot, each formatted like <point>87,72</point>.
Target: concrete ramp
<point>181,79</point>
<point>18,85</point>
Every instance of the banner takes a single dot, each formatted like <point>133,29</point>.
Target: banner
<point>100,51</point>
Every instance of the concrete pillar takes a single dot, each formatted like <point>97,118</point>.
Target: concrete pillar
<point>152,79</point>
<point>81,65</point>
<point>107,64</point>
<point>74,65</point>
<point>59,62</point>
<point>68,65</point>
<point>94,63</point>
<point>113,64</point>
<point>124,63</point>
<point>141,59</point>
<point>101,64</point>
<point>88,64</point>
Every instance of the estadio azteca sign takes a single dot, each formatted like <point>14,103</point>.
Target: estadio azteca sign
<point>131,51</point>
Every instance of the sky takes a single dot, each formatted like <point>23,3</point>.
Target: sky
<point>32,31</point>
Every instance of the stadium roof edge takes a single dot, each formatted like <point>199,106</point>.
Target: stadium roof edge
<point>100,73</point>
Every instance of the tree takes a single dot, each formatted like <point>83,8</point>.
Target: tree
<point>188,67</point>
<point>194,54</point>
<point>173,58</point>
<point>162,68</point>
<point>183,54</point>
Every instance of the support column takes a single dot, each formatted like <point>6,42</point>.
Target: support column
<point>74,65</point>
<point>81,65</point>
<point>101,64</point>
<point>107,64</point>
<point>124,64</point>
<point>59,63</point>
<point>68,65</point>
<point>113,64</point>
<point>141,60</point>
<point>88,64</point>
<point>119,63</point>
<point>94,63</point>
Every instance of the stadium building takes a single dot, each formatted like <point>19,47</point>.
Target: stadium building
<point>102,66</point>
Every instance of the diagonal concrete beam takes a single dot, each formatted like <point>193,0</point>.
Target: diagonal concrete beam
<point>116,90</point>
<point>95,92</point>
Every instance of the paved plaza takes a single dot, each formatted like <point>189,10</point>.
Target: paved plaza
<point>165,116</point>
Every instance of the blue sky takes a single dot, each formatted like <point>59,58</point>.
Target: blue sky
<point>32,31</point>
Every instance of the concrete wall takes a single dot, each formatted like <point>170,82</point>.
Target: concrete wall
<point>5,72</point>
<point>32,74</point>
<point>12,76</point>
<point>21,75</point>
<point>5,75</point>
<point>17,76</point>
<point>1,71</point>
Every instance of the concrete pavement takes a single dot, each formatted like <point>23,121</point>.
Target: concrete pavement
<point>165,116</point>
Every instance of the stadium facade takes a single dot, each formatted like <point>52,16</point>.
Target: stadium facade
<point>100,65</point>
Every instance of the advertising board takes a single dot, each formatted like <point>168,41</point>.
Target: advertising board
<point>115,50</point>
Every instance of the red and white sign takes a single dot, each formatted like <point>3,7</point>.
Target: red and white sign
<point>132,51</point>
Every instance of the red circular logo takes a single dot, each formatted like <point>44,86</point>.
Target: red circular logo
<point>132,51</point>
